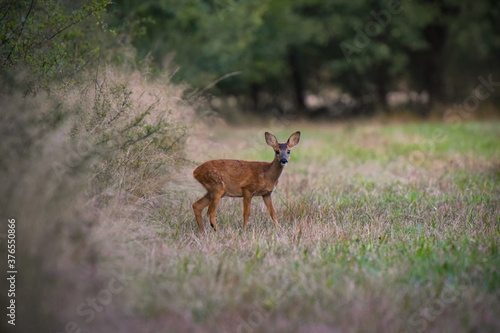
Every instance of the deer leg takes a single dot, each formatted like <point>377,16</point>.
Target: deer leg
<point>247,201</point>
<point>269,203</point>
<point>215,197</point>
<point>198,207</point>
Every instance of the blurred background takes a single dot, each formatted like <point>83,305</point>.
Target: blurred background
<point>321,58</point>
<point>310,58</point>
<point>391,197</point>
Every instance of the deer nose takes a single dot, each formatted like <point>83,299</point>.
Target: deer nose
<point>284,161</point>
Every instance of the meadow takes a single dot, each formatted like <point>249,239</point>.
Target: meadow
<point>383,227</point>
<point>386,228</point>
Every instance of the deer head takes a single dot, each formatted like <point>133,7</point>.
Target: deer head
<point>282,150</point>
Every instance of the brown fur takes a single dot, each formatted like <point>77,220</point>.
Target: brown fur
<point>235,178</point>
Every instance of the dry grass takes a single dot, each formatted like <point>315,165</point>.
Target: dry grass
<point>367,242</point>
<point>386,228</point>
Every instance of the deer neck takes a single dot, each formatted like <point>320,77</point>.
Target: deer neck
<point>274,171</point>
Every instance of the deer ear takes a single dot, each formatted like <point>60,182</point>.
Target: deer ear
<point>293,139</point>
<point>271,140</point>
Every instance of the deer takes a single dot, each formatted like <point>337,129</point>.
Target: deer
<point>242,179</point>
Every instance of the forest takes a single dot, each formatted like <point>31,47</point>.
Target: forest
<point>325,58</point>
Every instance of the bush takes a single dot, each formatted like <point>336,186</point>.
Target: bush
<point>67,155</point>
<point>53,39</point>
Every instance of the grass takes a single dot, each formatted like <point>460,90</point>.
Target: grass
<point>383,227</point>
<point>369,238</point>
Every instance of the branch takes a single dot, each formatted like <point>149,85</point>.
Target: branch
<point>167,149</point>
<point>5,9</point>
<point>223,77</point>
<point>21,27</point>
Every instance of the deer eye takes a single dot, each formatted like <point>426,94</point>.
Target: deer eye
<point>288,152</point>
<point>277,152</point>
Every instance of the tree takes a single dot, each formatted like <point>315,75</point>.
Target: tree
<point>49,37</point>
<point>284,50</point>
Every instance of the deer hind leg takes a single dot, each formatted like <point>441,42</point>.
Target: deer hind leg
<point>214,201</point>
<point>198,207</point>
<point>270,207</point>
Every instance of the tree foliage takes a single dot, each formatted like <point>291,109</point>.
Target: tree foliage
<point>268,52</point>
<point>53,39</point>
<point>365,48</point>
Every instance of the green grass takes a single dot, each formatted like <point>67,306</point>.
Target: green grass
<point>368,241</point>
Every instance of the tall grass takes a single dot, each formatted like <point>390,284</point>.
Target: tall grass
<point>76,162</point>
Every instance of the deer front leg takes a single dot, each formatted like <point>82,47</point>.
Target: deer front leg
<point>269,203</point>
<point>247,200</point>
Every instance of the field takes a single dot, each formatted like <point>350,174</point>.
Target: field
<point>383,228</point>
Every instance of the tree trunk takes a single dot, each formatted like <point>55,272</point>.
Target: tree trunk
<point>297,81</point>
<point>254,93</point>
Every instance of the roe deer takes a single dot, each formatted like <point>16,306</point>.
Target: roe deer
<point>234,178</point>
